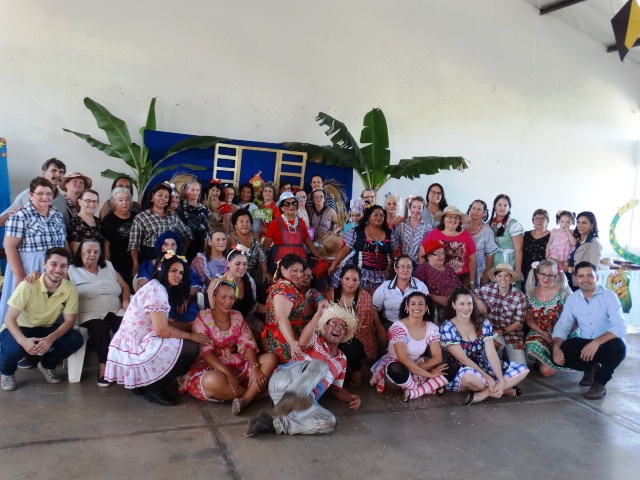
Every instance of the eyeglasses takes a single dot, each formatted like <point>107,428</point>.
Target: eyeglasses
<point>94,202</point>
<point>546,275</point>
<point>43,194</point>
<point>289,204</point>
<point>539,219</point>
<point>434,193</point>
<point>333,324</point>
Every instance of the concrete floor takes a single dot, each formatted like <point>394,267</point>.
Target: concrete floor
<point>81,431</point>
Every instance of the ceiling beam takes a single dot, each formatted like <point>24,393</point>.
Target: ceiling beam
<point>614,48</point>
<point>558,5</point>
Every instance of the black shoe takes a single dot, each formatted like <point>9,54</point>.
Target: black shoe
<point>28,361</point>
<point>263,423</point>
<point>469,399</point>
<point>596,392</point>
<point>587,378</point>
<point>159,396</point>
<point>139,390</point>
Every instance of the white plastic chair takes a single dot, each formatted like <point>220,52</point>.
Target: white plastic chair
<point>75,361</point>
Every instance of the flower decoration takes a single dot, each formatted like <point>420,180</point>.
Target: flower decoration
<point>170,254</point>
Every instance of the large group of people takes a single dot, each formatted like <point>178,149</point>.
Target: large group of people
<point>223,293</point>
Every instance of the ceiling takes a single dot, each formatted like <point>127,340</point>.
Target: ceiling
<point>591,17</point>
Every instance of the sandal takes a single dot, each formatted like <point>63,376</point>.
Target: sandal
<point>469,400</point>
<point>440,391</point>
<point>236,407</point>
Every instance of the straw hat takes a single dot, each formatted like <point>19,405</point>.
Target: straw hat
<point>287,196</point>
<point>71,176</point>
<point>502,267</point>
<point>452,210</point>
<point>347,315</point>
<point>431,246</point>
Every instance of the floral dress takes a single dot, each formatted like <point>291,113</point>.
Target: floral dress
<point>137,356</point>
<point>545,315</point>
<point>228,345</point>
<point>474,350</point>
<point>533,250</point>
<point>398,333</point>
<point>272,338</point>
<point>79,230</point>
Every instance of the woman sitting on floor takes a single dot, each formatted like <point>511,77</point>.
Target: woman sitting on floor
<point>468,339</point>
<point>404,365</point>
<point>228,367</point>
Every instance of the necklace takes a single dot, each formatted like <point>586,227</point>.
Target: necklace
<point>292,227</point>
<point>473,234</point>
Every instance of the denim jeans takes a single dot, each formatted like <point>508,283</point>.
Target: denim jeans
<point>301,378</point>
<point>11,352</point>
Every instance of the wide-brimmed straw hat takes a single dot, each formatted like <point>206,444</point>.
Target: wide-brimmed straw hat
<point>71,176</point>
<point>287,196</point>
<point>345,314</point>
<point>431,246</point>
<point>502,267</point>
<point>452,210</point>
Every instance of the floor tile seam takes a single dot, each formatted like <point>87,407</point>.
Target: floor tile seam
<point>223,446</point>
<point>593,406</point>
<point>399,409</point>
<point>54,441</point>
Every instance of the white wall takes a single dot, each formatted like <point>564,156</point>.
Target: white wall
<point>540,110</point>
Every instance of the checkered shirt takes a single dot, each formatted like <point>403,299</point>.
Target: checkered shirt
<point>148,225</point>
<point>38,233</point>
<point>410,238</point>
<point>505,311</point>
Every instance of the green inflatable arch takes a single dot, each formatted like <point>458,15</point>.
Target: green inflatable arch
<point>633,203</point>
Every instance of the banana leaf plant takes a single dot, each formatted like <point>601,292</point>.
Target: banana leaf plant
<point>372,160</point>
<point>136,157</point>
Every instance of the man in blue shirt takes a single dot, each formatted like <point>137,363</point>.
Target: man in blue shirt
<point>600,347</point>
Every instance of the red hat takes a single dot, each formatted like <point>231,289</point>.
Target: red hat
<point>431,246</point>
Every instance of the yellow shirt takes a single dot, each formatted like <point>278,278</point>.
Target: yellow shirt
<point>37,308</point>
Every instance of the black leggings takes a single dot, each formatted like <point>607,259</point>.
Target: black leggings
<point>99,331</point>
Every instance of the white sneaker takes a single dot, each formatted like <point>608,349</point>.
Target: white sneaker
<point>50,374</point>
<point>8,382</point>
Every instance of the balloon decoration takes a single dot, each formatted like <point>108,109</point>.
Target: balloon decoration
<point>630,205</point>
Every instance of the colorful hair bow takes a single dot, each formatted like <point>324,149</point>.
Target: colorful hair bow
<point>170,254</point>
<point>223,280</point>
<point>241,249</point>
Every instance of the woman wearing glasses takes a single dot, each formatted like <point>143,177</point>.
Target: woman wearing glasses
<point>85,224</point>
<point>288,232</point>
<point>460,249</point>
<point>534,246</point>
<point>436,203</point>
<point>547,290</point>
<point>29,233</point>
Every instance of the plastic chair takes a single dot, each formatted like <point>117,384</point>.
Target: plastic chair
<point>75,361</point>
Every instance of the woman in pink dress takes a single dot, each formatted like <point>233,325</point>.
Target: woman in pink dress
<point>148,351</point>
<point>228,367</point>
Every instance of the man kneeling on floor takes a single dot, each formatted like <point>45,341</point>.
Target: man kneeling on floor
<point>29,325</point>
<point>600,348</point>
<point>295,387</point>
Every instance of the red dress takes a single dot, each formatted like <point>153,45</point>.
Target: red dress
<point>272,338</point>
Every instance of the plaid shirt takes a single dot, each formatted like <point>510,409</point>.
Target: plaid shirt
<point>505,311</point>
<point>38,233</point>
<point>411,238</point>
<point>148,225</point>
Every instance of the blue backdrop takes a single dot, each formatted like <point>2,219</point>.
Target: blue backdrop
<point>5,193</point>
<point>252,161</point>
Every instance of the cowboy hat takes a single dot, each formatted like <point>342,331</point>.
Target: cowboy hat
<point>502,267</point>
<point>452,210</point>
<point>347,315</point>
<point>87,180</point>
